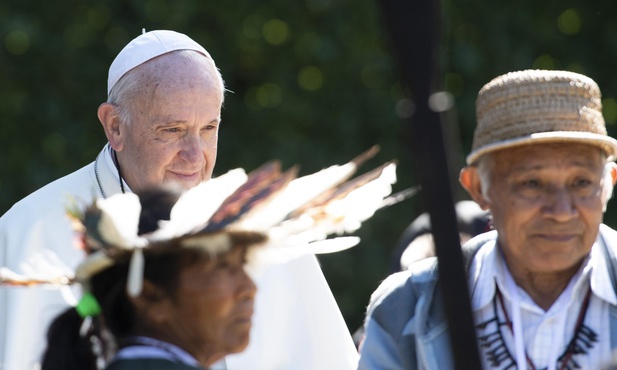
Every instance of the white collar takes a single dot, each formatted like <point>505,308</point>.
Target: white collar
<point>489,271</point>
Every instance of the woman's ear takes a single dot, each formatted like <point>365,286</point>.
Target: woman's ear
<point>153,304</point>
<point>111,125</point>
<point>470,180</point>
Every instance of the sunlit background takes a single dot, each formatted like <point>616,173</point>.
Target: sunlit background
<point>312,82</point>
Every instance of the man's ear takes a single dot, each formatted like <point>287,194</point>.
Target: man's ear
<point>613,169</point>
<point>152,304</point>
<point>111,125</point>
<point>470,180</point>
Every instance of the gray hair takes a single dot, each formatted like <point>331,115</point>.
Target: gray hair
<point>129,87</point>
<point>486,163</point>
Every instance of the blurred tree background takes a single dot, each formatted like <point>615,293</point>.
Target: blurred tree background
<point>312,82</point>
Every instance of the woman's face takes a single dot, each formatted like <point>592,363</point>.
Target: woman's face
<point>210,312</point>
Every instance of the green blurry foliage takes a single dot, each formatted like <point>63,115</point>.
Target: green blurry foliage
<point>313,82</point>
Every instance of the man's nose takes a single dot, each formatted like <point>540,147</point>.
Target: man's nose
<point>560,204</point>
<point>192,148</point>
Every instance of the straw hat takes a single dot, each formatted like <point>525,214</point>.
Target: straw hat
<point>539,106</point>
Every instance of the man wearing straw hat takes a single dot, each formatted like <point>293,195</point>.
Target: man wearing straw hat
<point>542,283</point>
<point>161,120</point>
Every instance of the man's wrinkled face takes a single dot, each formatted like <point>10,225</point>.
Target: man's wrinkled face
<point>547,204</point>
<point>174,133</point>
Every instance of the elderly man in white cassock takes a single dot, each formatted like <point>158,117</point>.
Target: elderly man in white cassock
<point>161,120</point>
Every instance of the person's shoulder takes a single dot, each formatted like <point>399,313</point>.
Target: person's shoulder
<point>389,285</point>
<point>479,240</point>
<point>471,247</point>
<point>405,285</point>
<point>609,236</point>
<point>149,364</point>
<point>55,196</point>
<point>423,273</point>
<point>608,232</point>
<point>394,302</point>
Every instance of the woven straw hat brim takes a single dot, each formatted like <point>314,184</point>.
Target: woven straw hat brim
<point>539,106</point>
<point>606,143</point>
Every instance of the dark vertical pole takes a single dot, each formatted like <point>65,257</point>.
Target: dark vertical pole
<point>414,26</point>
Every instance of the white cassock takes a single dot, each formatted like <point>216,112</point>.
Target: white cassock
<point>297,324</point>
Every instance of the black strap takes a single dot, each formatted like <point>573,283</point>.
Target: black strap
<point>414,30</point>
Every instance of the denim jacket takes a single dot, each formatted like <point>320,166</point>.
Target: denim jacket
<point>406,325</point>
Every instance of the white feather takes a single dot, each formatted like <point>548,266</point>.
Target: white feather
<point>135,279</point>
<point>95,262</point>
<point>45,264</point>
<point>333,245</point>
<point>119,219</point>
<point>347,214</point>
<point>275,253</point>
<point>339,216</point>
<point>195,207</point>
<point>297,193</point>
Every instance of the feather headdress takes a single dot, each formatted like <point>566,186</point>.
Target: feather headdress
<point>291,215</point>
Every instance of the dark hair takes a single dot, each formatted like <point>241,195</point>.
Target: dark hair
<point>60,337</point>
<point>68,349</point>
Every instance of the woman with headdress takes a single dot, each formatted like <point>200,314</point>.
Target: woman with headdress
<point>191,305</point>
<point>164,281</point>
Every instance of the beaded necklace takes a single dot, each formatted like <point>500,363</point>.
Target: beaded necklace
<point>498,355</point>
